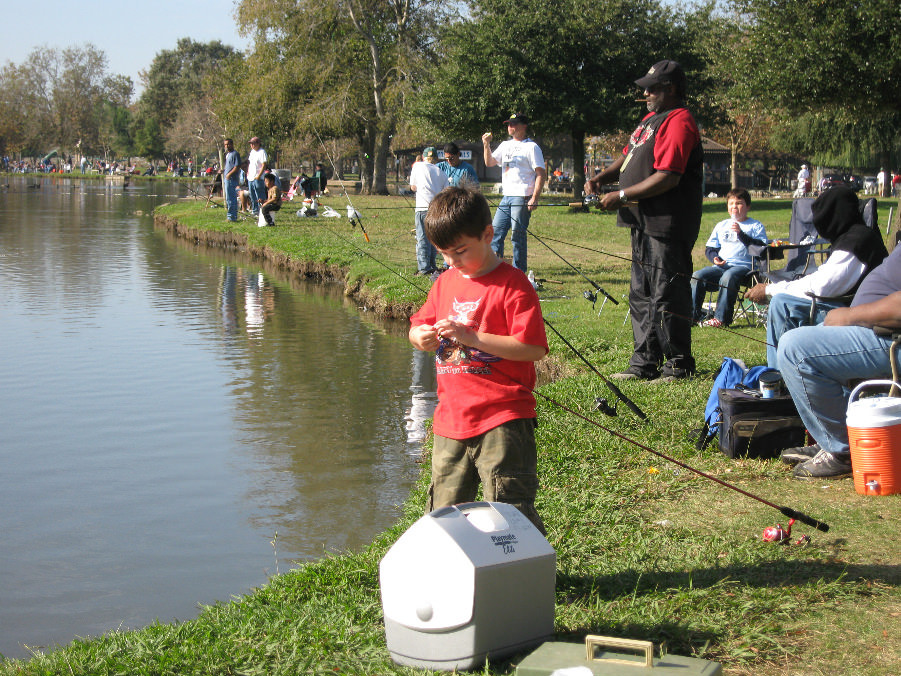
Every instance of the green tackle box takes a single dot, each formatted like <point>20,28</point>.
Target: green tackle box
<point>609,656</point>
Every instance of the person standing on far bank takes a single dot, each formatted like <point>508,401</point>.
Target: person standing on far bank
<point>661,175</point>
<point>522,177</point>
<point>258,165</point>
<point>230,175</point>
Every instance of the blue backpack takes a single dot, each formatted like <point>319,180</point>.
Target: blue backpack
<point>732,373</point>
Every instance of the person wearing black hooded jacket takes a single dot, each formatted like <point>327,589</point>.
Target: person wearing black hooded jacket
<point>854,251</point>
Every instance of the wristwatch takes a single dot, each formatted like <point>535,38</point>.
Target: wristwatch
<point>622,196</point>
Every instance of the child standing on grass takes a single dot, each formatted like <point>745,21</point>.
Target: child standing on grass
<point>483,320</point>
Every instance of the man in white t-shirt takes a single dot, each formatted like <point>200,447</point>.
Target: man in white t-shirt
<point>258,165</point>
<point>522,178</point>
<point>426,180</point>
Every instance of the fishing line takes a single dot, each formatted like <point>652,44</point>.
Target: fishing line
<point>628,260</point>
<point>354,216</point>
<point>786,511</point>
<point>589,295</point>
<point>721,328</point>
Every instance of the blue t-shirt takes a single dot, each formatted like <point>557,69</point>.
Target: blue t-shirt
<point>458,173</point>
<point>232,160</point>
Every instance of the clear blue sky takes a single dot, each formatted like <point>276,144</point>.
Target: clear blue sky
<point>129,33</point>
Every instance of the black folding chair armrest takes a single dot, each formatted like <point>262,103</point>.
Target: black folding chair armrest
<point>843,300</point>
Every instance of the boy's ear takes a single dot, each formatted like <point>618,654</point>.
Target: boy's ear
<point>489,231</point>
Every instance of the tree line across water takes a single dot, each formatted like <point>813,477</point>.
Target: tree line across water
<point>367,79</point>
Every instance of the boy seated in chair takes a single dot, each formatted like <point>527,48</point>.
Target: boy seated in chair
<point>727,249</point>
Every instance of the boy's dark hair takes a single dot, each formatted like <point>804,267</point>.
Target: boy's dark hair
<point>270,175</point>
<point>451,148</point>
<point>456,212</point>
<point>739,194</point>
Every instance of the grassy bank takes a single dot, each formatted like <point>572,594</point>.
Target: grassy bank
<point>645,549</point>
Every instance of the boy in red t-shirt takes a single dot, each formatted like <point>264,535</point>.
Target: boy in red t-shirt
<point>483,320</point>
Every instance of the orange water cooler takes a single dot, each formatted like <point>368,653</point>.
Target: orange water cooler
<point>874,432</point>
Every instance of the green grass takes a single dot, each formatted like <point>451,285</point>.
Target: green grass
<point>645,549</point>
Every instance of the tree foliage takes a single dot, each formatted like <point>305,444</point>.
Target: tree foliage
<point>347,67</point>
<point>59,98</point>
<point>835,70</point>
<point>569,64</point>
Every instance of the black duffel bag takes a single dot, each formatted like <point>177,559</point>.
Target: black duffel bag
<point>754,427</point>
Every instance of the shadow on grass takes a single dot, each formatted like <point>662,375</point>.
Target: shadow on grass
<point>576,588</point>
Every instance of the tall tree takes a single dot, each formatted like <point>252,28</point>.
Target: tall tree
<point>836,63</point>
<point>322,46</point>
<point>726,102</point>
<point>176,82</point>
<point>568,64</point>
<point>62,95</point>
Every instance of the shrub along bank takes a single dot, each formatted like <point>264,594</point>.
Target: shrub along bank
<point>645,548</point>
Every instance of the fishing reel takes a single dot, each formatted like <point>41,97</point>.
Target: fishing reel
<point>592,297</point>
<point>779,534</point>
<point>589,201</point>
<point>602,405</point>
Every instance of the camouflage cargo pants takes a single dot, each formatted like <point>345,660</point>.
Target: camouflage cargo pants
<point>503,459</point>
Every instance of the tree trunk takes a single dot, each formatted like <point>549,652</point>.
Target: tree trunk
<point>380,170</point>
<point>884,160</point>
<point>733,170</point>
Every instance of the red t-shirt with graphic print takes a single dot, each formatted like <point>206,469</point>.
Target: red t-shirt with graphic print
<point>478,391</point>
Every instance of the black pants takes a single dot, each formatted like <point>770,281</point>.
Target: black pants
<point>660,305</point>
<point>267,211</point>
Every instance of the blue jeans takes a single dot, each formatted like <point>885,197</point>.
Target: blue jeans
<point>816,363</point>
<point>257,195</point>
<point>727,279</point>
<point>230,186</point>
<point>512,211</point>
<point>787,312</point>
<point>425,251</point>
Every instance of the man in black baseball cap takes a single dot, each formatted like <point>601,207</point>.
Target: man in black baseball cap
<point>660,175</point>
<point>663,73</point>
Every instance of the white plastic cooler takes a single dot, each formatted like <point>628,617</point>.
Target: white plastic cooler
<point>465,583</point>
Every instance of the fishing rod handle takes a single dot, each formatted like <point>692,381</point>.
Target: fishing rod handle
<point>803,518</point>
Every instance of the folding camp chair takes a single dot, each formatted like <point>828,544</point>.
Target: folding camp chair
<point>747,311</point>
<point>797,261</point>
<point>868,210</point>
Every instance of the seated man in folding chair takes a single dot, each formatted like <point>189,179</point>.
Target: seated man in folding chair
<point>818,361</point>
<point>855,250</point>
<point>727,249</point>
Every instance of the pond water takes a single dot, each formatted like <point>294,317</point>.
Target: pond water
<point>179,423</point>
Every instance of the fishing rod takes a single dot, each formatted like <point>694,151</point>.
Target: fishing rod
<point>354,216</point>
<point>601,404</point>
<point>786,511</point>
<point>589,295</point>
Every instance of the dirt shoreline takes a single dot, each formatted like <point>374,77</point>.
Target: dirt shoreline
<point>369,300</point>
